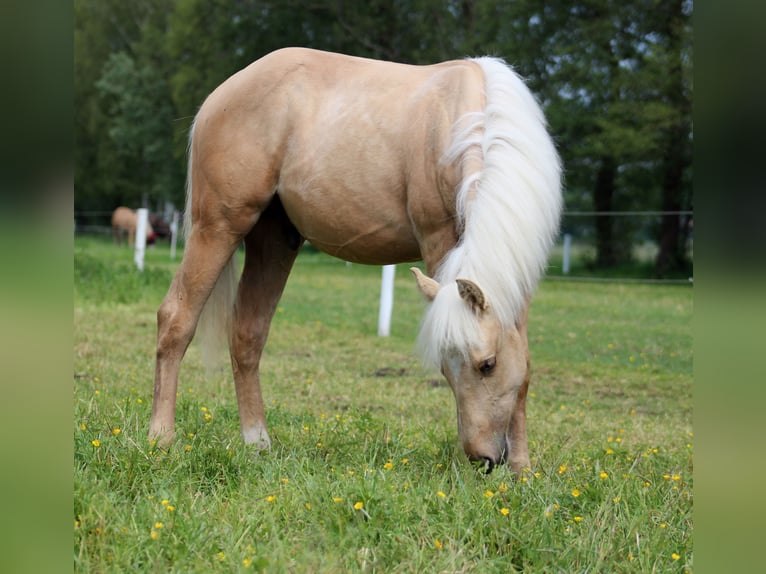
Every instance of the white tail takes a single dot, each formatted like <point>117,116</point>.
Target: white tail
<point>214,325</point>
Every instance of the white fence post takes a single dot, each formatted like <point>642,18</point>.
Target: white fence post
<point>173,234</point>
<point>386,300</point>
<point>143,219</point>
<point>567,247</point>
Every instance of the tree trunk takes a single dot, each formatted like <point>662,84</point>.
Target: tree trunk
<point>671,250</point>
<point>606,252</point>
<point>671,240</point>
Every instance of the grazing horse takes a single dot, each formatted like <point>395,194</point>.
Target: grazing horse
<point>377,163</point>
<point>125,221</point>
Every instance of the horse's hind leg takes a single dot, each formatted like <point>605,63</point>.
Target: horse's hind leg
<point>207,252</point>
<point>270,251</point>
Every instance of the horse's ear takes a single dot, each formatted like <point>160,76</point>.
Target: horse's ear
<point>472,294</point>
<point>428,287</point>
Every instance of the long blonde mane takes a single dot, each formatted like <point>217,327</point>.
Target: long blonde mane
<point>508,211</point>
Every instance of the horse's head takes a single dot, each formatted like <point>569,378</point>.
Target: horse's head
<point>485,365</point>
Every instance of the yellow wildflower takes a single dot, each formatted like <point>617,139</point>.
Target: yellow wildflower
<point>83,426</point>
<point>577,518</point>
<point>389,465</point>
<point>337,499</point>
<point>96,443</point>
<point>675,556</point>
<point>440,494</point>
<point>154,535</point>
<point>603,475</point>
<point>562,469</point>
<point>575,493</point>
<point>158,525</point>
<point>438,544</point>
<point>488,494</point>
<point>271,498</point>
<point>359,505</point>
<point>505,511</point>
<point>116,431</point>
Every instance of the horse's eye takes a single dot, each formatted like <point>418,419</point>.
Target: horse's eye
<point>487,366</point>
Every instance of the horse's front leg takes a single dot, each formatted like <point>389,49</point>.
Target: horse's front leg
<point>270,251</point>
<point>519,455</point>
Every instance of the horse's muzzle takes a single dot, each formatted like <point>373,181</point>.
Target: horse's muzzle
<point>487,462</point>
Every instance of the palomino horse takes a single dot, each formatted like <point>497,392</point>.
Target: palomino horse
<point>124,221</point>
<point>377,163</point>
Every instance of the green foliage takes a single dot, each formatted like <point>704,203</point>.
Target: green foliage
<point>135,97</point>
<point>615,79</point>
<point>355,419</point>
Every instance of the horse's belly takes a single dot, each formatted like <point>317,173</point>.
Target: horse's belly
<point>351,228</point>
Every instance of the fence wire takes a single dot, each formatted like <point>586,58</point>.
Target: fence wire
<point>632,237</point>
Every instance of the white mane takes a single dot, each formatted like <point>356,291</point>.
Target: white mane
<point>508,211</point>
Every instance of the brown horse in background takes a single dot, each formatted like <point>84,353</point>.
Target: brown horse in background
<point>376,163</point>
<point>124,222</point>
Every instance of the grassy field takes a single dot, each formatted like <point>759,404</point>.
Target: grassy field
<point>365,474</point>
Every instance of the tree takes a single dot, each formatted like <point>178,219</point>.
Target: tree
<point>674,55</point>
<point>140,128</point>
<point>123,116</point>
<point>616,102</point>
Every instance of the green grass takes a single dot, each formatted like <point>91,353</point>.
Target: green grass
<point>355,419</point>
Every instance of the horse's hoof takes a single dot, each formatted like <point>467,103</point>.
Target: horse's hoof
<point>162,439</point>
<point>258,437</point>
